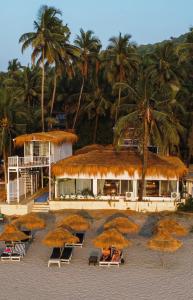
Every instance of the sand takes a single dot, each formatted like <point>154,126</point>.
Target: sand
<point>141,277</point>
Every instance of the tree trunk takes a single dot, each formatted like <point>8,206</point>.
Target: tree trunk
<point>42,92</point>
<point>118,105</point>
<point>144,159</point>
<point>95,128</point>
<point>78,105</point>
<point>53,94</point>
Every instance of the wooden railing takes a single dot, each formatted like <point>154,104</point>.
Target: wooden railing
<point>28,161</point>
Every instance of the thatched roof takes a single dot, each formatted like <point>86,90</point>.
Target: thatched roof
<point>122,224</point>
<point>12,234</point>
<point>93,147</point>
<point>75,223</point>
<point>56,137</point>
<point>172,227</point>
<point>111,238</point>
<point>59,237</point>
<point>30,221</point>
<point>101,162</point>
<point>164,242</point>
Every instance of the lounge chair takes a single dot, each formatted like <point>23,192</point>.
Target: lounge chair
<point>20,249</point>
<point>6,255</point>
<point>55,257</point>
<point>111,261</point>
<point>79,235</point>
<point>66,255</point>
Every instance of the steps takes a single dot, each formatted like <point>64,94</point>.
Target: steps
<point>41,207</point>
<point>27,179</point>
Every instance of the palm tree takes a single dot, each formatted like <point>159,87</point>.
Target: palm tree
<point>12,116</point>
<point>154,120</point>
<point>96,105</point>
<point>89,46</point>
<point>45,41</point>
<point>121,60</point>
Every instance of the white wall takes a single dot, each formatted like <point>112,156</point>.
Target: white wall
<point>154,206</point>
<point>61,151</point>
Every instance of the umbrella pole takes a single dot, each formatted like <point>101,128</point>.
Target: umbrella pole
<point>161,257</point>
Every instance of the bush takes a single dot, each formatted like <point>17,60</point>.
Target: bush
<point>187,206</point>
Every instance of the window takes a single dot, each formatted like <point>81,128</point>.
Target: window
<point>126,186</point>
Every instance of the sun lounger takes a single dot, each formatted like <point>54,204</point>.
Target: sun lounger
<point>80,235</point>
<point>66,255</point>
<point>5,256</point>
<point>110,261</point>
<point>55,257</point>
<point>15,256</point>
<point>20,249</point>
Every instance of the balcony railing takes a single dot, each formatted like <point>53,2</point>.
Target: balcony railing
<point>28,161</point>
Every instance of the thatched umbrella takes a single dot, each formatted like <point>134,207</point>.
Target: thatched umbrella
<point>30,221</point>
<point>12,234</point>
<point>111,238</point>
<point>172,227</point>
<point>59,237</point>
<point>122,224</point>
<point>164,242</point>
<point>75,223</point>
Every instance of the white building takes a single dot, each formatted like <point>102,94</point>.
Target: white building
<point>105,178</point>
<point>26,174</point>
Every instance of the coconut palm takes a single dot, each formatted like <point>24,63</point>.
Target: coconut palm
<point>121,60</point>
<point>96,105</point>
<point>153,119</point>
<point>12,115</point>
<point>47,38</point>
<point>89,46</point>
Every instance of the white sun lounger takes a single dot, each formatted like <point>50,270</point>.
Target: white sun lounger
<point>55,257</point>
<point>66,255</point>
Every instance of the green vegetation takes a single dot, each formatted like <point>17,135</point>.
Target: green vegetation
<point>102,92</point>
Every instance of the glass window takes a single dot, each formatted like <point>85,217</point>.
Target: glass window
<point>83,185</point>
<point>27,148</point>
<point>126,186</point>
<point>66,187</point>
<point>152,188</point>
<point>167,187</point>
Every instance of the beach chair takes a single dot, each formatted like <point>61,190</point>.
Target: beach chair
<point>55,257</point>
<point>6,255</point>
<point>20,249</point>
<point>15,256</point>
<point>66,255</point>
<point>79,235</point>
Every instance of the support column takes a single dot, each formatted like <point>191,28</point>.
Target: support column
<point>56,189</point>
<point>94,187</point>
<point>135,193</point>
<point>17,185</point>
<point>177,186</point>
<point>50,179</point>
<point>42,178</point>
<point>8,188</point>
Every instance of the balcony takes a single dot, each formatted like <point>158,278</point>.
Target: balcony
<point>28,161</point>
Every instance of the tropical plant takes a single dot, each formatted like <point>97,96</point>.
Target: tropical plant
<point>46,40</point>
<point>13,116</point>
<point>89,46</point>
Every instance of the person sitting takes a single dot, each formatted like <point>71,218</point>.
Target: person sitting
<point>116,255</point>
<point>106,254</point>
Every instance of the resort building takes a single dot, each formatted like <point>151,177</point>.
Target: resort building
<point>32,171</point>
<point>100,177</point>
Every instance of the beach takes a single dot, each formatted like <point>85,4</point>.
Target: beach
<point>141,277</point>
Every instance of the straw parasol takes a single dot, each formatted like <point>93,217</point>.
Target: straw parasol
<point>75,223</point>
<point>30,221</point>
<point>122,224</point>
<point>111,238</point>
<point>59,237</point>
<point>164,242</point>
<point>172,227</point>
<point>12,234</point>
<point>54,136</point>
<point>101,162</point>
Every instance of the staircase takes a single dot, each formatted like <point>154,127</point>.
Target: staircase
<point>27,179</point>
<point>41,207</point>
